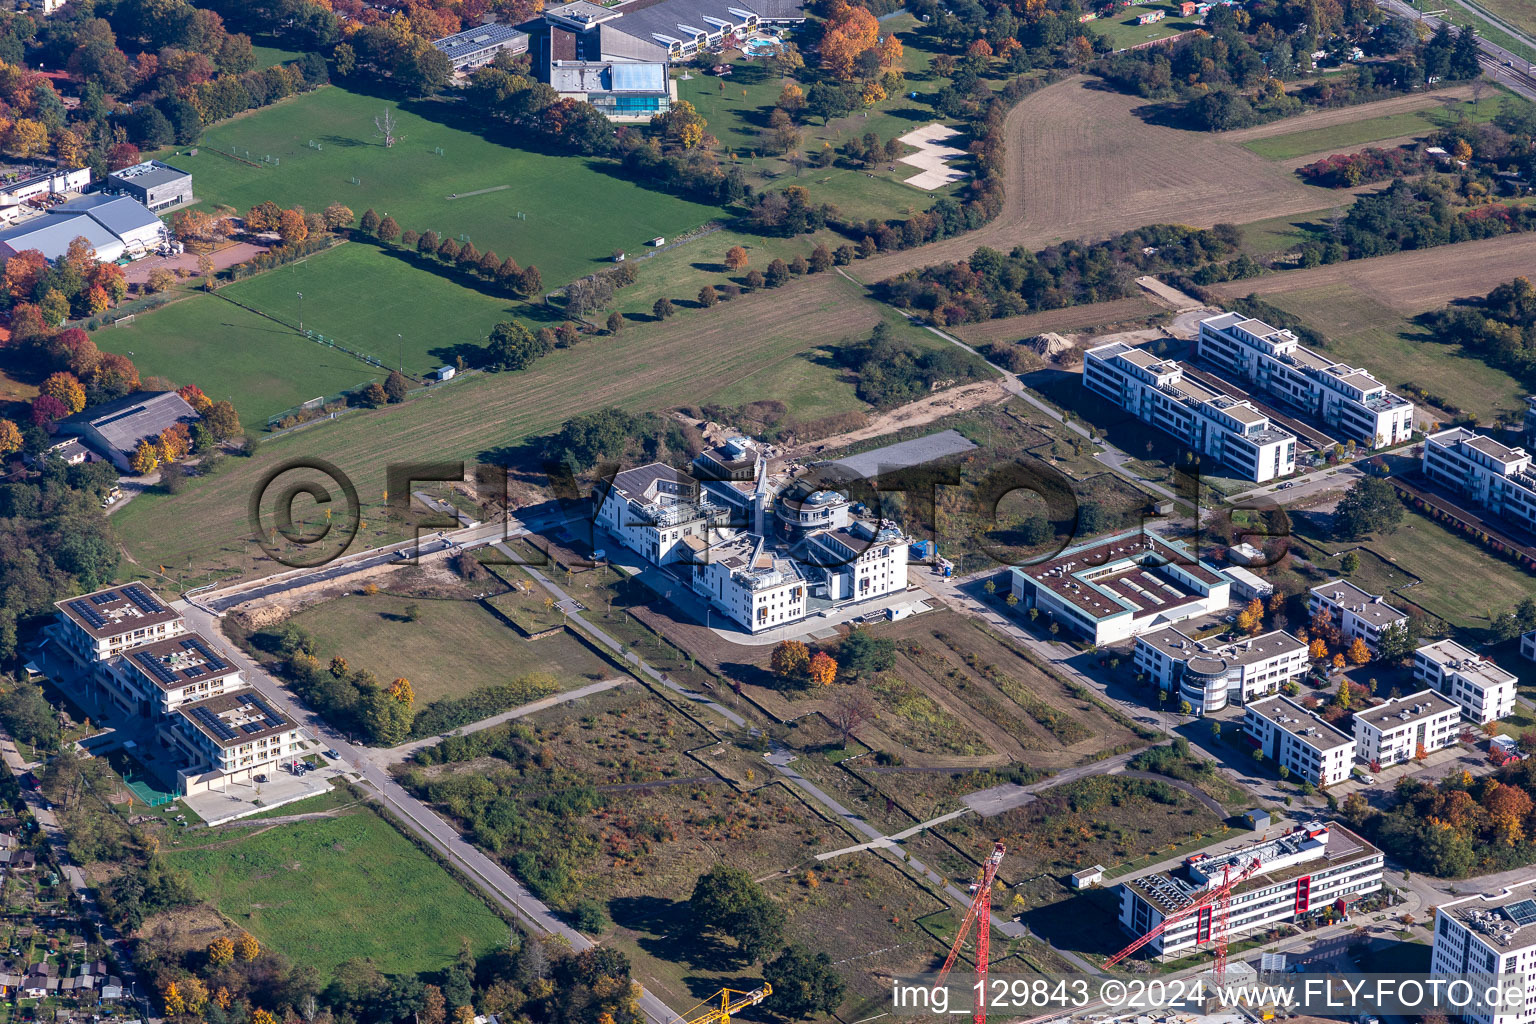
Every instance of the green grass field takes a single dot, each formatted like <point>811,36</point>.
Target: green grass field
<point>1122,31</point>
<point>1514,12</point>
<point>576,212</point>
<point>1367,333</point>
<point>1519,14</point>
<point>1284,234</point>
<point>452,649</point>
<point>1459,581</point>
<point>232,353</point>
<point>266,56</point>
<point>696,357</point>
<point>376,302</point>
<point>324,891</point>
<point>1355,134</point>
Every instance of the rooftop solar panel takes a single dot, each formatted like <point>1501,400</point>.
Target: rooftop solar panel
<point>106,598</point>
<point>146,601</point>
<point>92,617</point>
<point>253,727</point>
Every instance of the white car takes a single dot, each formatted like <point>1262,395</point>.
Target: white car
<point>1369,780</point>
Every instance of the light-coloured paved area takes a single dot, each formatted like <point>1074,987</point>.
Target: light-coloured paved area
<point>932,157</point>
<point>241,799</point>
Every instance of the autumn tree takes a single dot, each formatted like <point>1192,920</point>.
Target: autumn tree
<point>1317,649</point>
<point>264,217</point>
<point>67,389</point>
<point>246,946</point>
<point>221,419</point>
<point>175,443</point>
<point>27,138</point>
<point>388,230</point>
<point>849,31</point>
<point>337,216</point>
<point>402,692</point>
<point>823,669</point>
<point>1358,653</point>
<point>221,951</point>
<point>10,437</point>
<point>1251,619</point>
<point>291,227</point>
<point>790,659</point>
<point>735,258</point>
<point>851,709</point>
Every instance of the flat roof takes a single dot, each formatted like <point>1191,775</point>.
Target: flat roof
<point>180,661</point>
<point>234,719</point>
<point>1122,573</point>
<point>115,610</point>
<point>1406,711</point>
<point>123,423</point>
<point>1362,602</point>
<point>1498,915</point>
<point>1306,726</point>
<point>148,174</point>
<point>477,38</point>
<point>1449,654</point>
<point>1178,645</point>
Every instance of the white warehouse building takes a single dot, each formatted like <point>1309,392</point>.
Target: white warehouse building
<point>1157,392</point>
<point>1344,398</point>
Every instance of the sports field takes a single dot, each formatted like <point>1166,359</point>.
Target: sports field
<point>376,302</point>
<point>575,213</point>
<point>450,649</point>
<point>327,890</point>
<point>232,353</point>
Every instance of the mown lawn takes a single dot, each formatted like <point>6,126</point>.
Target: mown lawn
<point>1354,134</point>
<point>379,302</point>
<point>1122,31</point>
<point>451,649</point>
<point>327,890</point>
<point>575,212</point>
<point>232,353</point>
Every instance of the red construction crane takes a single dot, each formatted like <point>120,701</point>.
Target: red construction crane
<point>1219,902</point>
<point>981,906</point>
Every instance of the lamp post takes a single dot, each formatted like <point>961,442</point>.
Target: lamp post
<point>401,354</point>
<point>301,311</point>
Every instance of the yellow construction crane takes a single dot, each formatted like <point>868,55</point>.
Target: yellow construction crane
<point>730,1001</point>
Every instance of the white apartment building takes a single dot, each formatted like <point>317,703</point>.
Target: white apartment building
<point>1346,399</point>
<point>862,561</point>
<point>1485,691</point>
<point>653,508</point>
<point>1306,870</point>
<point>156,679</point>
<point>1116,587</point>
<point>1490,935</point>
<point>1355,612</point>
<point>1393,732</point>
<point>230,738</point>
<point>99,626</point>
<point>1491,475</point>
<point>1157,392</point>
<point>1292,736</point>
<point>1211,676</point>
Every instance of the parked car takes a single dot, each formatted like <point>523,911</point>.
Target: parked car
<point>1369,780</point>
<point>332,753</point>
<point>261,778</point>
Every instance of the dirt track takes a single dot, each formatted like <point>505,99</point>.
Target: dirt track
<point>913,414</point>
<point>1081,164</point>
<point>1073,318</point>
<point>1409,282</point>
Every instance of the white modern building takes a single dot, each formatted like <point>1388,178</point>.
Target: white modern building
<point>1157,392</point>
<point>153,680</point>
<point>767,554</point>
<point>1247,585</point>
<point>652,509</point>
<point>1392,732</point>
<point>1211,676</point>
<point>1313,867</point>
<point>232,737</point>
<point>1490,935</point>
<point>115,227</point>
<point>1485,691</point>
<point>99,626</point>
<point>479,45</point>
<point>1299,739</point>
<point>1355,612</point>
<point>1491,475</point>
<point>1347,400</point>
<point>1115,587</point>
<point>157,186</point>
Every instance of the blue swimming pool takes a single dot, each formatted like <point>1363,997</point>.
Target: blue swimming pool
<point>761,47</point>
